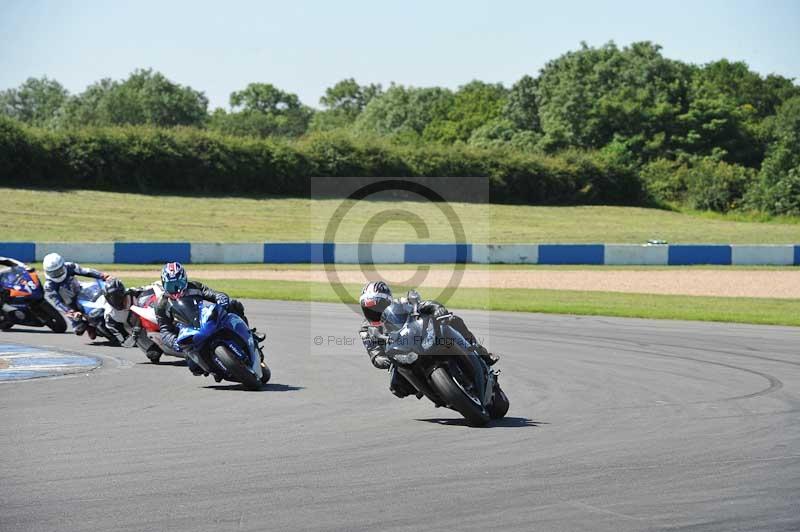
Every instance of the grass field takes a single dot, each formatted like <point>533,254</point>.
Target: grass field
<point>737,310</point>
<point>35,215</point>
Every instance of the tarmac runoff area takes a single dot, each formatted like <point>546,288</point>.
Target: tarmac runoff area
<point>616,425</point>
<point>21,362</point>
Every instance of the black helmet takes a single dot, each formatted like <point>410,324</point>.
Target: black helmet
<point>115,293</point>
<point>375,297</point>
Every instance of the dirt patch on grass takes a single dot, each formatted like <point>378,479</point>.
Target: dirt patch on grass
<point>726,283</point>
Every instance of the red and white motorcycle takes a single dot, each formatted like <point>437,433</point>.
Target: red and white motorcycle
<point>145,309</point>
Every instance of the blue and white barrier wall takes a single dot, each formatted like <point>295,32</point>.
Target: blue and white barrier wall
<point>416,253</point>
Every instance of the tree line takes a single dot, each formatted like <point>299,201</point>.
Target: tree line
<point>716,136</point>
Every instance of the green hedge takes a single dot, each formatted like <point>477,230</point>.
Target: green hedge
<point>191,160</point>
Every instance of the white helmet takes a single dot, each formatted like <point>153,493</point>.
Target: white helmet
<point>54,268</point>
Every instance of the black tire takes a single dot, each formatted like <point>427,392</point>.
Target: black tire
<point>500,404</point>
<point>53,318</point>
<point>235,368</point>
<point>457,399</point>
<point>266,374</point>
<point>6,325</point>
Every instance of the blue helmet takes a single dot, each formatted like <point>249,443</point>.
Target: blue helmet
<point>174,279</point>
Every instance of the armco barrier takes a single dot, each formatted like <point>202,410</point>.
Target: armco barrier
<point>410,253</point>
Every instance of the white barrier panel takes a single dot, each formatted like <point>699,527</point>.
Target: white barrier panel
<point>767,255</point>
<point>227,253</point>
<point>99,252</point>
<point>505,253</point>
<point>381,253</point>
<point>619,254</point>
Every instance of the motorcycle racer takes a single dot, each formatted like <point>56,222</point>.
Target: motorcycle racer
<point>123,324</point>
<point>61,289</point>
<point>375,298</point>
<point>176,286</point>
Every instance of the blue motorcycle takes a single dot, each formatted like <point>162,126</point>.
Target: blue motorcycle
<point>92,304</point>
<point>22,290</point>
<point>220,342</point>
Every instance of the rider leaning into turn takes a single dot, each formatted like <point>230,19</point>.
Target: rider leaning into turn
<point>375,298</point>
<point>118,316</point>
<point>176,286</point>
<point>61,289</point>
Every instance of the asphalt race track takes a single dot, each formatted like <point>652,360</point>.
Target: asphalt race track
<point>615,424</point>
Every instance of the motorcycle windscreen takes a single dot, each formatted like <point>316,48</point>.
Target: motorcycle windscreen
<point>186,311</point>
<point>91,292</point>
<point>395,316</point>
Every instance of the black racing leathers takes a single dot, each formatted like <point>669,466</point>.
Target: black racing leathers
<point>166,320</point>
<point>370,334</point>
<point>118,321</point>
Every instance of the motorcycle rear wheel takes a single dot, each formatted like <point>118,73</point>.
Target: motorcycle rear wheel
<point>457,399</point>
<point>236,369</point>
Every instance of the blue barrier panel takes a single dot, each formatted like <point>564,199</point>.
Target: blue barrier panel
<point>797,255</point>
<point>571,253</point>
<point>681,255</point>
<point>298,253</point>
<point>151,252</point>
<point>22,251</point>
<point>438,253</point>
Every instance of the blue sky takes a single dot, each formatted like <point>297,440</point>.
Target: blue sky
<point>304,46</point>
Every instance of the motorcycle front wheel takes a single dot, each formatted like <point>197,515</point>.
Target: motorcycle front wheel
<point>500,404</point>
<point>235,368</point>
<point>457,398</point>
<point>52,318</point>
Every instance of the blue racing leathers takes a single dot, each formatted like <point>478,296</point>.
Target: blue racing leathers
<point>63,295</point>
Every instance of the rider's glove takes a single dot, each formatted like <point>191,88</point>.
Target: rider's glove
<point>381,361</point>
<point>223,300</point>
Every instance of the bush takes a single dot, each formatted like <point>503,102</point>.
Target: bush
<point>664,181</point>
<point>717,185</point>
<point>147,159</point>
<point>702,183</point>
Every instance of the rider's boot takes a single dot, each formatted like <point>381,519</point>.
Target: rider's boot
<point>487,357</point>
<point>258,337</point>
<point>194,368</point>
<point>79,328</point>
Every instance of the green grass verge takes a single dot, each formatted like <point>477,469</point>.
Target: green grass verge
<point>737,310</point>
<point>37,215</point>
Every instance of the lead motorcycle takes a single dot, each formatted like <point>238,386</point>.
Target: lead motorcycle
<point>220,342</point>
<point>440,364</point>
<point>22,289</point>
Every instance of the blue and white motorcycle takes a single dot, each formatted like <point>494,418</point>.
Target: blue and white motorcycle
<point>92,305</point>
<point>220,342</point>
